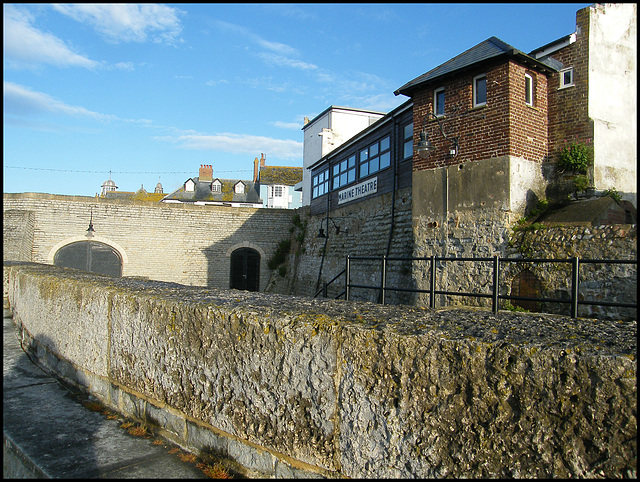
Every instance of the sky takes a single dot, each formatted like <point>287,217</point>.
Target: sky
<point>147,93</point>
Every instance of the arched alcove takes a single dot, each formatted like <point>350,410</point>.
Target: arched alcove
<point>527,284</point>
<point>92,256</point>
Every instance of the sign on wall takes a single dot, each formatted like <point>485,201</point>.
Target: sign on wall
<point>370,186</point>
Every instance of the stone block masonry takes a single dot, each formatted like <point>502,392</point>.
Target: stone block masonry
<point>292,385</point>
<point>178,243</point>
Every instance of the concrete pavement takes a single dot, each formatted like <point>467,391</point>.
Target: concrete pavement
<point>49,433</point>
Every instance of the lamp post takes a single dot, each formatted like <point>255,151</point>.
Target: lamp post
<point>423,147</point>
<point>90,230</point>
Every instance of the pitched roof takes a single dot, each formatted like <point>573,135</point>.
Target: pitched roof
<point>227,194</point>
<point>287,176</point>
<point>490,49</point>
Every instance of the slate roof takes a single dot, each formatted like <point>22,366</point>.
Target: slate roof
<point>202,192</point>
<point>491,49</point>
<point>286,176</point>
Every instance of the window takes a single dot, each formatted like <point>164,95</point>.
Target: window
<point>566,78</point>
<point>375,157</point>
<point>344,172</point>
<point>239,189</point>
<point>320,184</point>
<point>408,141</point>
<point>216,186</point>
<point>190,186</point>
<point>438,101</point>
<point>528,89</point>
<point>480,90</point>
<point>277,191</point>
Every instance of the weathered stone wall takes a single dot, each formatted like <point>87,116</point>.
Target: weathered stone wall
<point>486,233</point>
<point>365,229</point>
<point>191,245</point>
<point>342,388</point>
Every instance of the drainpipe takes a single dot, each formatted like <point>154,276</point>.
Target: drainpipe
<point>393,195</point>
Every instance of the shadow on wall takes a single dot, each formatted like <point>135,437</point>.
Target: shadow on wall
<point>240,261</point>
<point>42,418</point>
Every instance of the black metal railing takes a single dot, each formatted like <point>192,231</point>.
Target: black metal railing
<point>495,296</point>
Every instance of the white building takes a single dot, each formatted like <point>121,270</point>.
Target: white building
<point>329,129</point>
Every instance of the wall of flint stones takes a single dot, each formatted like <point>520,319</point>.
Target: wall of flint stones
<point>290,386</point>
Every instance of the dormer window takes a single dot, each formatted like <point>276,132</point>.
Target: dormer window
<point>190,186</point>
<point>239,188</point>
<point>216,186</point>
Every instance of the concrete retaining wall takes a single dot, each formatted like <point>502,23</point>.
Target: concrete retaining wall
<point>292,386</point>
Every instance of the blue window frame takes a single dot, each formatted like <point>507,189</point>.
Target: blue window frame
<point>375,157</point>
<point>320,184</point>
<point>344,172</point>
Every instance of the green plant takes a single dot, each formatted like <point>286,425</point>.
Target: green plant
<point>581,183</point>
<point>614,194</point>
<point>508,306</point>
<point>282,270</point>
<point>575,156</point>
<point>280,255</point>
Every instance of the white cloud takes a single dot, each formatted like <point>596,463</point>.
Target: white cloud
<point>20,100</point>
<point>25,45</point>
<point>127,22</point>
<point>23,102</point>
<point>242,144</point>
<point>288,125</point>
<point>281,60</point>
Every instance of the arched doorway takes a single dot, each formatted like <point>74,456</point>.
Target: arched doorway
<point>526,284</point>
<point>90,256</point>
<point>245,269</point>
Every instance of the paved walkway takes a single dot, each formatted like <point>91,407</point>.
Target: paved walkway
<point>48,432</point>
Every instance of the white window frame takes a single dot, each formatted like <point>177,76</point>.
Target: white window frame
<point>239,188</point>
<point>528,89</point>
<point>216,186</point>
<point>562,83</point>
<point>475,93</point>
<point>190,186</point>
<point>435,102</point>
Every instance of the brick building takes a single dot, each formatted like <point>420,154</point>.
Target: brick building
<point>504,115</point>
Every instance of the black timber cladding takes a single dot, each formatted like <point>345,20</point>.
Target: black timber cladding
<point>391,124</point>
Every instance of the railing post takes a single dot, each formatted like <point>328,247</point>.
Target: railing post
<point>575,283</point>
<point>496,280</point>
<point>347,277</point>
<point>384,278</point>
<point>432,288</point>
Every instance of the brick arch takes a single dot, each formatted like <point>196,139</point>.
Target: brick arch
<point>99,239</point>
<point>245,244</point>
<point>526,283</point>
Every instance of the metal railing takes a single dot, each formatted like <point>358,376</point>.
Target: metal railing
<point>495,296</point>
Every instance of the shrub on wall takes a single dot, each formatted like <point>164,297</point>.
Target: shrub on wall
<point>575,156</point>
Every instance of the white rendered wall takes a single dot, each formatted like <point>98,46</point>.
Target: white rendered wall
<point>327,132</point>
<point>612,96</point>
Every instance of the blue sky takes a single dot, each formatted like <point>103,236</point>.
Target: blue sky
<point>150,92</point>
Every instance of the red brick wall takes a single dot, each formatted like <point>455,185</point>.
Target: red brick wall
<point>505,126</point>
<point>568,108</point>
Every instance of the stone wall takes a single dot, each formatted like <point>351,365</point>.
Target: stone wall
<point>179,243</point>
<point>365,229</point>
<point>289,385</point>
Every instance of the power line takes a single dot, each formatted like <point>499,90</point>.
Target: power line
<point>113,172</point>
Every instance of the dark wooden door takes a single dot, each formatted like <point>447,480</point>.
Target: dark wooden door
<point>245,269</point>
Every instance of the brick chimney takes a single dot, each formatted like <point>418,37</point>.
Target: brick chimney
<point>262,160</point>
<point>255,170</point>
<point>206,173</point>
